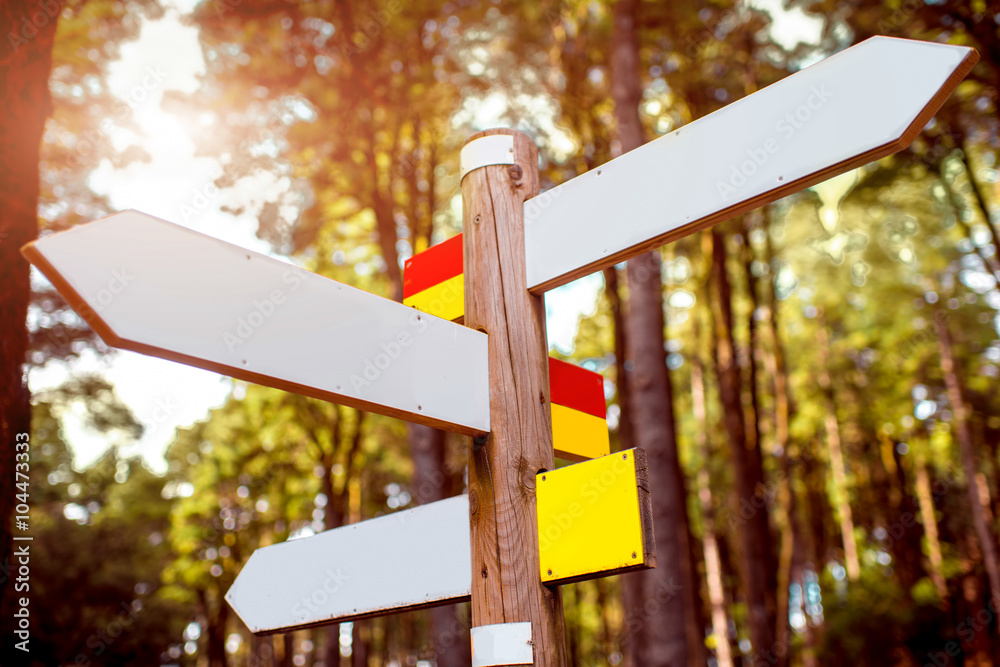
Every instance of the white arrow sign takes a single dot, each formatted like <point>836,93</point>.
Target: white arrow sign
<point>407,560</point>
<point>154,287</point>
<point>857,106</point>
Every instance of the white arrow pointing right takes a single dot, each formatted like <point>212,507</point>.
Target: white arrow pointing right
<point>857,106</point>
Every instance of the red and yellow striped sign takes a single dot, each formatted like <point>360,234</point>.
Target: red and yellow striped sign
<point>579,413</point>
<point>433,282</point>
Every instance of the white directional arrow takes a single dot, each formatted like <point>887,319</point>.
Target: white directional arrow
<point>407,560</point>
<point>857,106</point>
<point>154,287</point>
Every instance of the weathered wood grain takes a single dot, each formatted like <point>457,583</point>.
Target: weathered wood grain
<point>506,587</point>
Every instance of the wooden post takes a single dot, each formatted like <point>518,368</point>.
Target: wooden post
<point>506,585</point>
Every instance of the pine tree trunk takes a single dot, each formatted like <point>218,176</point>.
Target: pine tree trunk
<point>837,467</point>
<point>431,483</point>
<point>360,643</point>
<point>984,207</point>
<point>603,608</point>
<point>905,549</point>
<point>29,33</point>
<point>956,394</point>
<point>621,386</point>
<point>217,656</point>
<point>791,539</point>
<point>754,531</point>
<point>632,596</point>
<point>660,636</point>
<point>287,650</point>
<point>929,520</point>
<point>713,564</point>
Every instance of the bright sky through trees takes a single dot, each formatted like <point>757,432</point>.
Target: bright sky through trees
<point>174,183</point>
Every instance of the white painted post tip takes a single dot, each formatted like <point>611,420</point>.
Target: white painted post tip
<point>502,644</point>
<point>485,151</point>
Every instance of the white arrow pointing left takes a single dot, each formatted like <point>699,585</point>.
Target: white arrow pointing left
<point>407,560</point>
<point>147,285</point>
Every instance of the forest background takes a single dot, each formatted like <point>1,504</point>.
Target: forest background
<point>815,382</point>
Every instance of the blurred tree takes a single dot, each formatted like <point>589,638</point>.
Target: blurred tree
<point>51,44</point>
<point>97,555</point>
<point>24,71</point>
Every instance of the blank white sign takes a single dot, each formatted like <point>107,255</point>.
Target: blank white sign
<point>151,286</point>
<point>407,560</point>
<point>861,104</point>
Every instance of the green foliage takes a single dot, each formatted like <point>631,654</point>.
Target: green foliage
<point>358,111</point>
<point>872,622</point>
<point>95,584</point>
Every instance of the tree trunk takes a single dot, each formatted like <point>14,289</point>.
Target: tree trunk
<point>360,643</point>
<point>24,88</point>
<point>956,394</point>
<point>631,586</point>
<point>603,608</point>
<point>984,207</point>
<point>287,650</point>
<point>837,467</point>
<point>611,292</point>
<point>929,520</point>
<point>791,539</point>
<point>217,656</point>
<point>751,411</point>
<point>713,564</point>
<point>754,530</point>
<point>431,483</point>
<point>906,548</point>
<point>660,623</point>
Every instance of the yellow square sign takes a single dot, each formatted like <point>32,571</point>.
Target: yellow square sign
<point>595,518</point>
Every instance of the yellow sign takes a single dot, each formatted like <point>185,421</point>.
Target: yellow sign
<point>595,518</point>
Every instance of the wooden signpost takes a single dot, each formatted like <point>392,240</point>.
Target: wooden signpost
<point>150,286</point>
<point>434,282</point>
